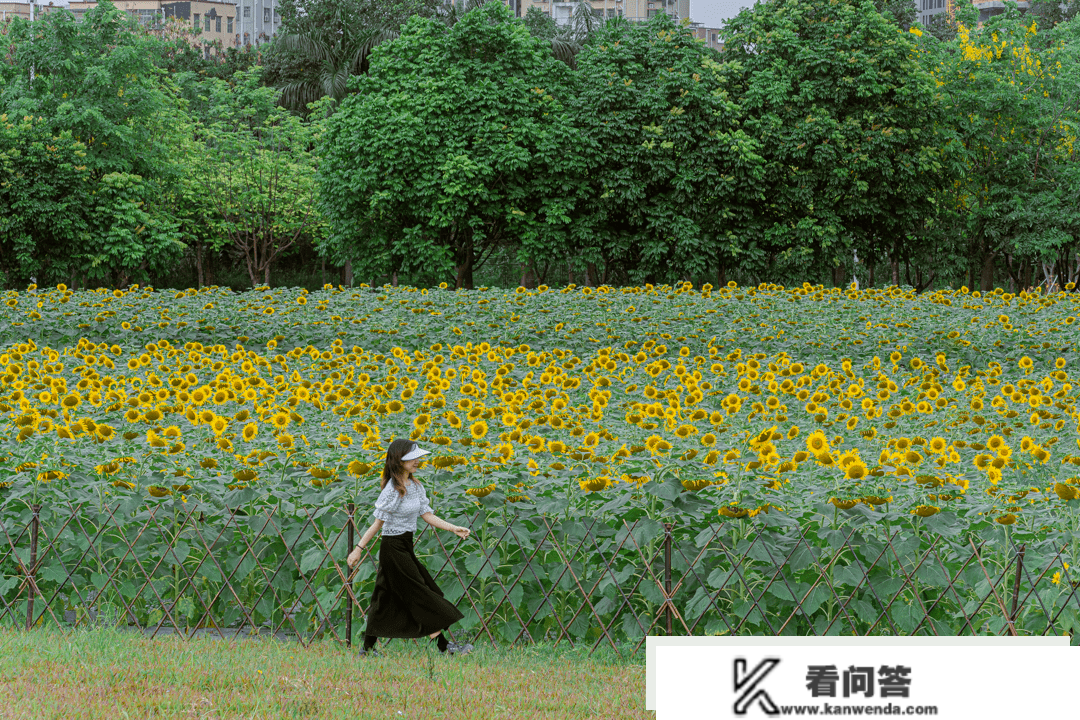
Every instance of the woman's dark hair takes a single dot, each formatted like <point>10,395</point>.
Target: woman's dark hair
<point>393,466</point>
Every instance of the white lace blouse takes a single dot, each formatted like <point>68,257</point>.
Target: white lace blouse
<point>399,512</point>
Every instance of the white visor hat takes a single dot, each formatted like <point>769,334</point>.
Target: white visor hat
<point>416,452</point>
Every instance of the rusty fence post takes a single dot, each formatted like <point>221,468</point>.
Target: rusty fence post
<point>1016,586</point>
<point>348,594</point>
<point>32,569</point>
<point>667,574</point>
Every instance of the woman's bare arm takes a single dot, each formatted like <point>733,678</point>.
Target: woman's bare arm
<point>354,556</point>
<point>437,522</point>
<point>371,531</point>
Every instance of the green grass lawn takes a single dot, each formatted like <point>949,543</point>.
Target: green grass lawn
<point>102,673</point>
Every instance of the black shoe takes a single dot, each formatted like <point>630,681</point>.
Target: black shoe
<point>364,652</point>
<point>456,649</point>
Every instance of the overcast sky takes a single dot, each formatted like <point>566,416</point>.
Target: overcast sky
<point>713,13</point>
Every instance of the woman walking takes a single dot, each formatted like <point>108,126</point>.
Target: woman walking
<point>406,602</point>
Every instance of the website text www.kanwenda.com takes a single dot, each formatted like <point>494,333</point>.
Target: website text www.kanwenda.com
<point>827,709</point>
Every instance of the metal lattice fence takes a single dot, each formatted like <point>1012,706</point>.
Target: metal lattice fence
<point>190,569</point>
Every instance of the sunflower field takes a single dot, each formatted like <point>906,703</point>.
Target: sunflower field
<point>826,417</point>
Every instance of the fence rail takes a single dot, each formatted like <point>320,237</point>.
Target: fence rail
<point>191,569</point>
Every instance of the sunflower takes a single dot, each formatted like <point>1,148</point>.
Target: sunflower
<point>478,429</point>
<point>279,420</point>
<point>358,469</point>
<point>250,431</point>
<point>856,470</point>
<point>817,443</point>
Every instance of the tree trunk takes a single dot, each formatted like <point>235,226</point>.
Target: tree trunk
<point>894,262</point>
<point>871,266</point>
<point>393,279</point>
<point>199,263</point>
<point>464,260</point>
<point>986,282</point>
<point>266,275</point>
<point>569,273</point>
<point>590,274</point>
<point>211,276</point>
<point>347,271</point>
<point>528,277</point>
<point>322,272</point>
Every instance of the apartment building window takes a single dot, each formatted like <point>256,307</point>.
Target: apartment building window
<point>651,12</point>
<point>247,11</point>
<point>266,15</point>
<point>146,17</point>
<point>228,25</point>
<point>195,21</point>
<point>277,16</point>
<point>217,24</point>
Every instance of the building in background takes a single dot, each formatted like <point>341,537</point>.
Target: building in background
<point>563,12</point>
<point>936,10</point>
<point>218,22</point>
<point>259,20</point>
<point>709,36</point>
<point>12,10</point>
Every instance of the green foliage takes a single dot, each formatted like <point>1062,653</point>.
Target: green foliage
<point>328,42</point>
<point>259,173</point>
<point>843,111</point>
<point>41,199</point>
<point>456,141</point>
<point>671,175</point>
<point>175,53</point>
<point>93,83</point>
<point>1009,92</point>
<point>541,25</point>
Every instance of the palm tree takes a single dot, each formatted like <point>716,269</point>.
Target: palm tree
<point>339,47</point>
<point>339,44</point>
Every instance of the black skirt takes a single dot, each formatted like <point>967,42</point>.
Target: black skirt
<point>406,602</point>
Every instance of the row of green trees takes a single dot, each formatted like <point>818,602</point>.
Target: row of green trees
<point>823,133</point>
<point>829,140</point>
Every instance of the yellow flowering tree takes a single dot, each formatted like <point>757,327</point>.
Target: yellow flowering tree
<point>1010,89</point>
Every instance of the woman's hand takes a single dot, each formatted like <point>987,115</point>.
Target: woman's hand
<point>354,556</point>
<point>461,532</point>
